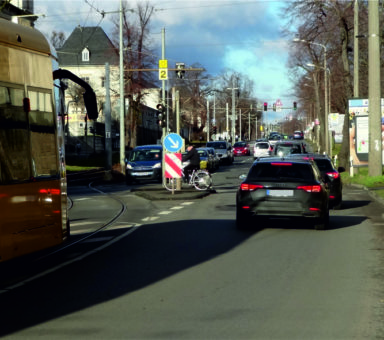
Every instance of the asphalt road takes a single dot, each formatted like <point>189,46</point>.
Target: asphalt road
<point>185,272</point>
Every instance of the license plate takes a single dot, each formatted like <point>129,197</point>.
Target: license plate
<point>280,193</point>
<point>141,173</point>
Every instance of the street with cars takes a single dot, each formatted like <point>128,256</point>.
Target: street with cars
<point>181,269</point>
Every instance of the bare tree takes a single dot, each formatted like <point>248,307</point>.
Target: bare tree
<point>137,55</point>
<point>57,39</point>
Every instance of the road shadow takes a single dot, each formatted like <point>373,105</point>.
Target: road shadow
<point>150,254</point>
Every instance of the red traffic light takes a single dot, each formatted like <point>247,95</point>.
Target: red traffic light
<point>160,107</point>
<point>265,106</point>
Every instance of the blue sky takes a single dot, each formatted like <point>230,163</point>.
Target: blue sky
<point>243,35</point>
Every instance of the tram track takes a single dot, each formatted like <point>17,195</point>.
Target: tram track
<point>20,271</point>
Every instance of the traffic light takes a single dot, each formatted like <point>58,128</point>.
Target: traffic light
<point>265,106</point>
<point>180,70</point>
<point>214,130</point>
<point>294,105</point>
<point>274,107</point>
<point>161,117</point>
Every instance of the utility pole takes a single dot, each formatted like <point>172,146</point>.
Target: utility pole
<point>356,51</point>
<point>122,101</point>
<point>164,130</point>
<point>208,125</point>
<point>375,164</point>
<point>107,114</point>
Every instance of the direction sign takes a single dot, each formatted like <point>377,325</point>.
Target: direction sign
<point>173,142</point>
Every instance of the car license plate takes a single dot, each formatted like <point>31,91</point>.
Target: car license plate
<point>141,173</point>
<point>280,193</point>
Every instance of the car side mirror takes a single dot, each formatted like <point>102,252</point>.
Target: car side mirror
<point>243,177</point>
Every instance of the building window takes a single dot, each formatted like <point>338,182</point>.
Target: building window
<point>86,79</point>
<point>102,81</point>
<point>85,54</point>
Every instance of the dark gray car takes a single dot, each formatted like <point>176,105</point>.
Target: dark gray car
<point>281,188</point>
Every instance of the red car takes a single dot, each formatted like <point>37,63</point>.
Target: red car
<point>241,149</point>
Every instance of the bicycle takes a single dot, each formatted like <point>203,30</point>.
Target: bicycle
<point>200,179</point>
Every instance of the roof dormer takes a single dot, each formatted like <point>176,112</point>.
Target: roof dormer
<point>85,54</point>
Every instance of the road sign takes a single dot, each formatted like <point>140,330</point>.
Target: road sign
<point>163,74</point>
<point>173,142</point>
<point>163,63</point>
<point>172,163</point>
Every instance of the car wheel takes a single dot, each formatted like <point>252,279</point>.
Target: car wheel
<point>240,221</point>
<point>323,222</point>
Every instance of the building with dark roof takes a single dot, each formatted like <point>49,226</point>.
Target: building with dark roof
<point>85,53</point>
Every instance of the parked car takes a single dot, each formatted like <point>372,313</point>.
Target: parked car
<point>284,148</point>
<point>262,149</point>
<point>206,159</point>
<point>215,157</point>
<point>241,149</point>
<point>144,163</point>
<point>298,134</point>
<point>326,167</point>
<point>223,149</point>
<point>282,188</point>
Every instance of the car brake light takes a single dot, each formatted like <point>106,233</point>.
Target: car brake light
<point>250,187</point>
<point>310,188</point>
<point>333,174</point>
<point>282,164</point>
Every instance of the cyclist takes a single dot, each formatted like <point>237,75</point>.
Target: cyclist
<point>194,161</point>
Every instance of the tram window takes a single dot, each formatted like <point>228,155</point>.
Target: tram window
<point>17,96</point>
<point>40,101</point>
<point>14,137</point>
<point>4,96</point>
<point>42,133</point>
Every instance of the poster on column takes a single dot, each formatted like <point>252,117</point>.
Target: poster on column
<point>359,130</point>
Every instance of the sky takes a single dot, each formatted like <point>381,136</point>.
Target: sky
<point>241,35</point>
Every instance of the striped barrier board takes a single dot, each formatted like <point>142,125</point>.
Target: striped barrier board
<point>172,163</point>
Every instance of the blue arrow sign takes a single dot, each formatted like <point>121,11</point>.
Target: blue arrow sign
<point>173,142</point>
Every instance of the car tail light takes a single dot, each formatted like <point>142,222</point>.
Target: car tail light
<point>250,187</point>
<point>333,174</point>
<point>310,188</point>
<point>314,209</point>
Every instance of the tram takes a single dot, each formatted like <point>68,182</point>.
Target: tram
<point>33,187</point>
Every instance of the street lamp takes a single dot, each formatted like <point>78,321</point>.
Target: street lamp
<point>325,89</point>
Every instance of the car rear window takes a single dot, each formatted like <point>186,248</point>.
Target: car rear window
<point>323,164</point>
<point>240,144</point>
<point>276,170</point>
<point>216,145</point>
<point>262,146</point>
<point>286,149</point>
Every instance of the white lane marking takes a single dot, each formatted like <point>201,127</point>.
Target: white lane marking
<point>165,212</point>
<point>81,199</point>
<point>177,208</point>
<point>187,203</point>
<point>150,218</point>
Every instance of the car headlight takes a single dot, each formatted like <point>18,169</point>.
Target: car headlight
<point>129,166</point>
<point>157,165</point>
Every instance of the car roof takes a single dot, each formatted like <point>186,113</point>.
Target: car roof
<point>154,146</point>
<point>282,160</point>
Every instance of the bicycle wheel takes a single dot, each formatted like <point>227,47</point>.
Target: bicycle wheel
<point>202,180</point>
